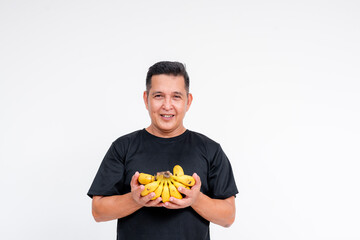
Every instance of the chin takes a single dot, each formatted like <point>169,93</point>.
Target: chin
<point>167,130</point>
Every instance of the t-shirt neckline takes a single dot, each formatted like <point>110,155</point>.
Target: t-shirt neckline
<point>165,140</point>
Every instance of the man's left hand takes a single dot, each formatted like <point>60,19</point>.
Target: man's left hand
<point>191,195</point>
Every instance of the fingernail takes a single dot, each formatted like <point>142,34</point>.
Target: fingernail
<point>180,188</point>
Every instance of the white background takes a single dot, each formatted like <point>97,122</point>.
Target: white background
<point>275,82</point>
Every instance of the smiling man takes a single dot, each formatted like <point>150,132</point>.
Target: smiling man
<point>167,101</point>
<point>161,146</point>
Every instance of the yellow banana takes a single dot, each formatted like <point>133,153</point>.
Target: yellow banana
<point>185,179</point>
<point>178,184</point>
<point>165,194</point>
<point>173,191</point>
<point>158,190</point>
<point>165,184</point>
<point>150,187</point>
<point>145,178</point>
<point>178,170</point>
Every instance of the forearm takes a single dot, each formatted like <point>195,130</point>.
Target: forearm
<point>218,211</point>
<point>113,207</point>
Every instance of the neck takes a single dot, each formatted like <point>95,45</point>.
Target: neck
<point>166,134</point>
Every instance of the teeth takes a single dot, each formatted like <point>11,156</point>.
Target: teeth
<point>167,116</point>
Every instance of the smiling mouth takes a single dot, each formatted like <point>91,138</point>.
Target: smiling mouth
<point>167,115</point>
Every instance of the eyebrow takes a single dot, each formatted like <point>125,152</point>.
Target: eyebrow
<point>176,92</point>
<point>154,93</point>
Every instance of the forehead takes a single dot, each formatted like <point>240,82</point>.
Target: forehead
<point>167,83</point>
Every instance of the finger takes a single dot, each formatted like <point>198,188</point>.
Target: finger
<point>168,205</point>
<point>150,196</point>
<point>197,179</point>
<point>179,202</point>
<point>137,190</point>
<point>154,203</point>
<point>184,191</point>
<point>160,204</point>
<point>134,179</point>
<point>171,205</point>
<point>146,199</point>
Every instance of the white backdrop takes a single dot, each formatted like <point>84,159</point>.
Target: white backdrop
<point>275,82</point>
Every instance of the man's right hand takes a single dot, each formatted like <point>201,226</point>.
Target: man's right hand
<point>137,188</point>
<point>106,208</point>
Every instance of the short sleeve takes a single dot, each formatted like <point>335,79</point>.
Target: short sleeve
<point>221,178</point>
<point>109,179</point>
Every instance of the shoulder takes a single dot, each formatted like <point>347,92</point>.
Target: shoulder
<point>212,149</point>
<point>205,140</point>
<point>121,144</point>
<point>127,137</point>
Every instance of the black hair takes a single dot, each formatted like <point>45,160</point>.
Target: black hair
<point>169,68</point>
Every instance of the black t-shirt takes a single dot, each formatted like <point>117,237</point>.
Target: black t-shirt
<point>144,152</point>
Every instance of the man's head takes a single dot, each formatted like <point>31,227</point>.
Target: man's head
<point>167,98</point>
<point>168,68</point>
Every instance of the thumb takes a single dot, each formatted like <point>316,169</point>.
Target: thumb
<point>197,179</point>
<point>135,178</point>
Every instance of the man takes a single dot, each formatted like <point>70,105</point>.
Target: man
<point>159,147</point>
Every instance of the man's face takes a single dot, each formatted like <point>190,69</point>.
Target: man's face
<point>167,103</point>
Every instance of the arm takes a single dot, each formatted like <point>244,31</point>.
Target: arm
<point>112,207</point>
<point>119,206</point>
<point>218,211</point>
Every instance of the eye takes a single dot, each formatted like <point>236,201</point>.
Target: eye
<point>177,97</point>
<point>157,96</point>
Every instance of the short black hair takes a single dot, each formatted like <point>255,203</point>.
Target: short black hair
<point>169,68</point>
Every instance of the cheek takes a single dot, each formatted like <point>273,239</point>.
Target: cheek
<point>154,107</point>
<point>181,108</point>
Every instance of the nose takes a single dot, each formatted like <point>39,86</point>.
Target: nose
<point>167,104</point>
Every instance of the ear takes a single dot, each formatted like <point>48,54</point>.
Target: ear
<point>189,101</point>
<point>145,97</point>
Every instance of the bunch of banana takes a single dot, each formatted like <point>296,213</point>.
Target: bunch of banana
<point>165,184</point>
